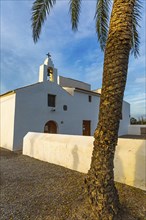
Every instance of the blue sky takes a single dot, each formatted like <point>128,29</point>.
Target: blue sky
<point>75,54</point>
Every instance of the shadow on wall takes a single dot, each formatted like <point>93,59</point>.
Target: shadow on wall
<point>140,166</point>
<point>75,157</point>
<point>119,174</point>
<point>33,148</point>
<point>130,165</point>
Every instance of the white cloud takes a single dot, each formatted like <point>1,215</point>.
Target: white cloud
<point>94,72</point>
<point>140,80</point>
<point>137,102</point>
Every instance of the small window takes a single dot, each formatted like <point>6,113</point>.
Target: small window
<point>51,100</point>
<point>90,98</point>
<point>65,107</point>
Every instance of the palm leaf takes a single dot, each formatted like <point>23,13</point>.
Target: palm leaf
<point>40,9</point>
<point>135,24</point>
<point>102,21</point>
<point>75,6</point>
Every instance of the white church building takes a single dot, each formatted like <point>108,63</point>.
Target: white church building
<point>54,104</point>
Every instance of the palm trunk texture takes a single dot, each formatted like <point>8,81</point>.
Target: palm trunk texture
<point>99,182</point>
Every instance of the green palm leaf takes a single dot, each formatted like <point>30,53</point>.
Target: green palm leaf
<point>40,9</point>
<point>102,21</point>
<point>135,24</point>
<point>75,6</point>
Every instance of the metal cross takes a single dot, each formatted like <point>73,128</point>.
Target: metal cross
<point>48,55</point>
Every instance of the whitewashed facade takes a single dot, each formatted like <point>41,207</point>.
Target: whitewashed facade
<point>53,105</point>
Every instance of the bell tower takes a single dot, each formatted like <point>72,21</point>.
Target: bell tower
<point>47,72</point>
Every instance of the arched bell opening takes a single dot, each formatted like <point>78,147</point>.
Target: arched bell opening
<point>50,76</point>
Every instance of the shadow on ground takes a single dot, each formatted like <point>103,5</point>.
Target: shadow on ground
<point>32,189</point>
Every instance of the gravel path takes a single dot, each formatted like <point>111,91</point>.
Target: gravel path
<point>35,190</point>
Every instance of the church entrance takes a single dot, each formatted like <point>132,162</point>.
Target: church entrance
<point>50,127</point>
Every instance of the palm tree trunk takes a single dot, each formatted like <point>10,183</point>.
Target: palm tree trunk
<point>100,178</point>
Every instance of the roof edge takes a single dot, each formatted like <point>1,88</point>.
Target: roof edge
<point>8,93</point>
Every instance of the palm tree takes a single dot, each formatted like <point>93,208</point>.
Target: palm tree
<point>117,39</point>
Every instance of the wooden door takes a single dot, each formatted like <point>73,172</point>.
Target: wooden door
<point>86,128</point>
<point>50,127</point>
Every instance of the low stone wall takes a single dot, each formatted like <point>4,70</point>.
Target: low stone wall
<point>135,129</point>
<point>74,152</point>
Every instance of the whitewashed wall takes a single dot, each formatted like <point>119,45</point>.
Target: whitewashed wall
<point>135,129</point>
<point>74,152</point>
<point>67,82</point>
<point>7,114</point>
<point>125,121</point>
<point>32,111</point>
<point>130,162</point>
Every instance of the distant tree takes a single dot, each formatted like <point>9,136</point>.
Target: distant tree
<point>133,121</point>
<point>141,120</point>
<point>117,39</point>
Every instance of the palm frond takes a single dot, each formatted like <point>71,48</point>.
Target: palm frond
<point>75,6</point>
<point>40,9</point>
<point>135,24</point>
<point>102,20</point>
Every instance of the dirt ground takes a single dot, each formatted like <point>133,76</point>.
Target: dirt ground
<point>36,190</point>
